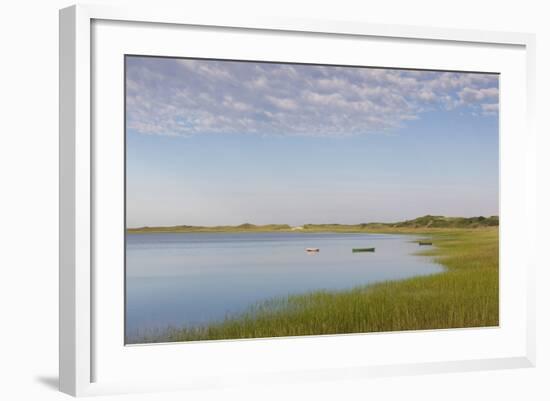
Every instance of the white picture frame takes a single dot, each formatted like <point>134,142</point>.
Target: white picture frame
<point>79,214</point>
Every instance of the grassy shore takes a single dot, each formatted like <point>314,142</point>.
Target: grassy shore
<point>428,221</point>
<point>464,295</point>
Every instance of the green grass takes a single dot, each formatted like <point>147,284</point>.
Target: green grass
<point>464,295</point>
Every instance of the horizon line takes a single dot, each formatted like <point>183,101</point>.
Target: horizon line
<point>306,224</point>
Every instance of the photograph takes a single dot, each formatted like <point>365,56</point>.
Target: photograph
<point>273,199</point>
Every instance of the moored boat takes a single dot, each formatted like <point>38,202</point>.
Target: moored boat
<point>362,250</point>
<point>312,249</point>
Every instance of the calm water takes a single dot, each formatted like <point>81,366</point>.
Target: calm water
<point>191,279</point>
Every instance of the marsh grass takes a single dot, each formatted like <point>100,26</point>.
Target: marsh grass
<point>465,294</point>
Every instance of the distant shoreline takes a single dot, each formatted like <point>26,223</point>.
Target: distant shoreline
<point>428,222</point>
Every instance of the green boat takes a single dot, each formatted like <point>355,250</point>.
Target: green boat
<point>362,250</point>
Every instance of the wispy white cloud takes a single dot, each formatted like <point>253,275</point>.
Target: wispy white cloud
<point>191,97</point>
<point>473,95</point>
<point>489,109</point>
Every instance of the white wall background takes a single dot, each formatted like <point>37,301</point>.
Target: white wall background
<point>29,187</point>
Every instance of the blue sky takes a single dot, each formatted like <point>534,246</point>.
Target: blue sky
<point>224,142</point>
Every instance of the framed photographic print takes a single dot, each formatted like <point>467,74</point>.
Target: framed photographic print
<point>274,200</point>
